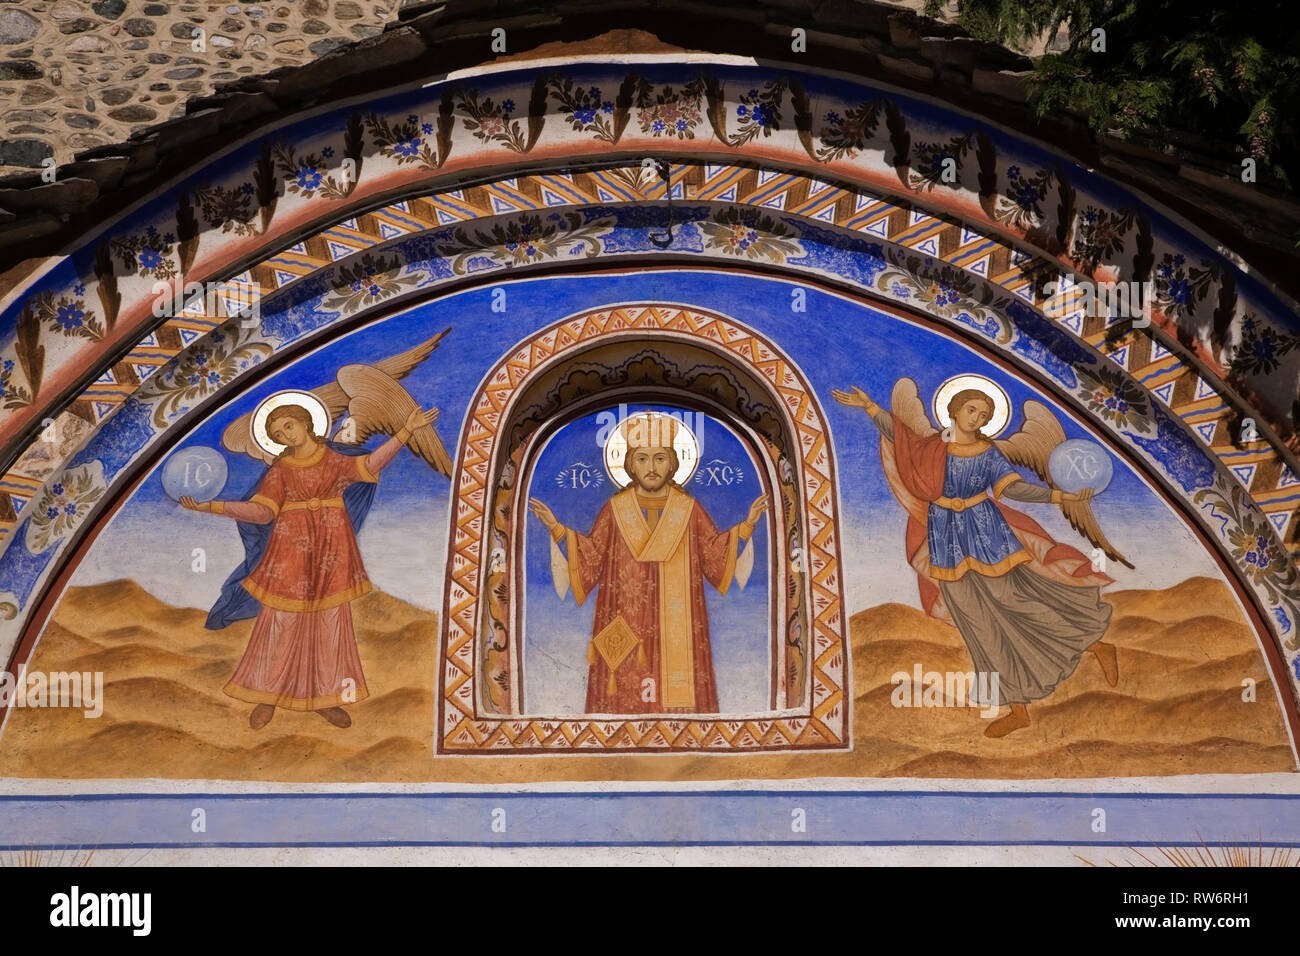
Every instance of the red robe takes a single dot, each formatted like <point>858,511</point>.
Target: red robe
<point>650,618</point>
<point>312,562</point>
<point>302,654</point>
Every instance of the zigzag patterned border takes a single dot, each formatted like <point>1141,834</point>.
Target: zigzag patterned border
<point>1260,468</point>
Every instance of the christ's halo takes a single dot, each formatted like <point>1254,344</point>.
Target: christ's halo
<point>685,444</point>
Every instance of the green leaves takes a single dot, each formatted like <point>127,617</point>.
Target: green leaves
<point>1228,73</point>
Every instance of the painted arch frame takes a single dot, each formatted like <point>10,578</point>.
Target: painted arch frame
<point>822,709</point>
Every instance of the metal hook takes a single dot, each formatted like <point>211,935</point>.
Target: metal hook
<point>664,239</point>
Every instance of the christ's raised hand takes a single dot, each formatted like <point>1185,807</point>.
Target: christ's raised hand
<point>544,514</point>
<point>756,510</point>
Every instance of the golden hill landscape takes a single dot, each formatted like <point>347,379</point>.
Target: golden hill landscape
<point>1183,654</point>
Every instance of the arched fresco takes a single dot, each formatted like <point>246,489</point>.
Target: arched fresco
<point>802,232</point>
<point>418,635</point>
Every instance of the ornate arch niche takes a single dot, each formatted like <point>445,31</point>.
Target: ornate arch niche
<point>592,360</point>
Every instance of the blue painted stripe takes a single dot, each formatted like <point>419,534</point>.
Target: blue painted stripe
<point>651,818</point>
<point>974,252</point>
<point>774,187</point>
<point>560,186</point>
<point>617,188</point>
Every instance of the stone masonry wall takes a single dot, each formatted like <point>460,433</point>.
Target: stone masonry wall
<point>75,74</point>
<point>115,91</point>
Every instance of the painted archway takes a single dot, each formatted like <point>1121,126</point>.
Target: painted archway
<point>809,657</point>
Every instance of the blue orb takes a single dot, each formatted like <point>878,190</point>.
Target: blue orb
<point>199,472</point>
<point>1077,464</point>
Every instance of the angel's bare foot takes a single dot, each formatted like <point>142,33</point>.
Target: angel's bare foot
<point>261,716</point>
<point>1105,654</point>
<point>336,716</point>
<point>1019,717</point>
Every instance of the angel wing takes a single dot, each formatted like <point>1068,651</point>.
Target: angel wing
<point>238,436</point>
<point>377,403</point>
<point>1031,447</point>
<point>905,403</point>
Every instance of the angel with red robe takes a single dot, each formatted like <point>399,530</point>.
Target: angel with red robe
<point>299,527</point>
<point>1027,607</point>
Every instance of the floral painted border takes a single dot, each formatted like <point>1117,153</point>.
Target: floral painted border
<point>756,193</point>
<point>324,168</point>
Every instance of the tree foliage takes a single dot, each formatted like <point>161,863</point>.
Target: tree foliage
<point>1230,72</point>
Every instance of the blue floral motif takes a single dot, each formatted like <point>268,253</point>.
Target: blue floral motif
<point>308,178</point>
<point>296,321</point>
<point>1041,355</point>
<point>115,446</point>
<point>20,570</point>
<point>987,324</point>
<point>69,316</point>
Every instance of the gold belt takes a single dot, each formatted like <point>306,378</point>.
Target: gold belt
<point>961,504</point>
<point>312,504</point>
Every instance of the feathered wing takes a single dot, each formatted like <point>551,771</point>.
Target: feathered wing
<point>238,436</point>
<point>1031,447</point>
<point>905,404</point>
<point>378,403</point>
<point>396,367</point>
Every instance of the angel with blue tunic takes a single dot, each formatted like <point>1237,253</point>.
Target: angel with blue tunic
<point>1027,606</point>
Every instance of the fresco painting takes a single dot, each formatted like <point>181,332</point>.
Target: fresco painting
<point>1020,600</point>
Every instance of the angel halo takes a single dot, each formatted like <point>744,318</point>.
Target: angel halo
<point>995,392</point>
<point>320,417</point>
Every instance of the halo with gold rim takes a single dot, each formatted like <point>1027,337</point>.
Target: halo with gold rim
<point>1001,403</point>
<point>320,417</point>
<point>685,444</point>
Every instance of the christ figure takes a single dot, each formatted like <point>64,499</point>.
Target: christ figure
<point>648,554</point>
